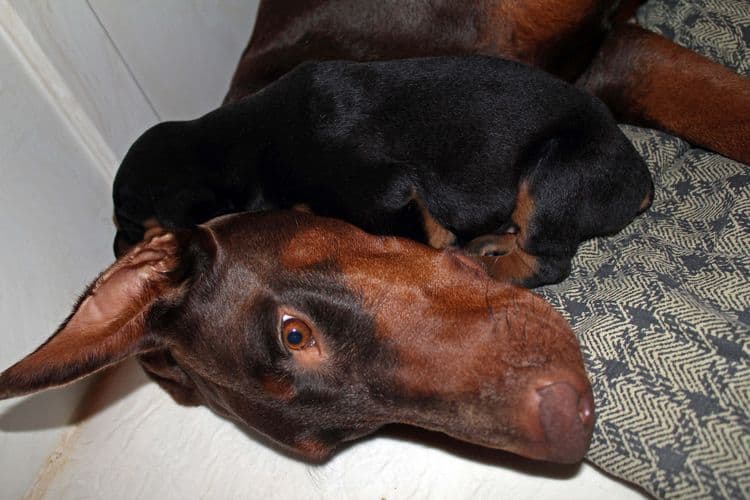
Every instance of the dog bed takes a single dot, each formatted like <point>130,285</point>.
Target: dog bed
<point>662,309</point>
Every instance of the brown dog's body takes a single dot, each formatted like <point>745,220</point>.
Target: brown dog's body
<point>314,332</point>
<point>559,37</point>
<point>644,78</point>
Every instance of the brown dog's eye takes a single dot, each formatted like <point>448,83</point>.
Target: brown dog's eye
<point>295,333</point>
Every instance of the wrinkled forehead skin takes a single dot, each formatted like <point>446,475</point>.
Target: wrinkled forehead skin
<point>404,333</point>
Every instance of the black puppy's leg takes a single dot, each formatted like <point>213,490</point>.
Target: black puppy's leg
<point>530,254</point>
<point>590,183</point>
<point>413,221</point>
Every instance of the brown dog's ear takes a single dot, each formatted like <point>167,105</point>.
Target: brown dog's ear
<point>107,325</point>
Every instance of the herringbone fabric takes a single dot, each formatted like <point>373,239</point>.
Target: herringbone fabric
<point>662,309</point>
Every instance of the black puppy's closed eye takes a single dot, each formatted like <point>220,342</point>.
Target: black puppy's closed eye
<point>296,334</point>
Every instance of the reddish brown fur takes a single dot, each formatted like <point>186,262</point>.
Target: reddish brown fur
<point>455,340</point>
<point>644,78</point>
<point>649,80</point>
<point>313,449</point>
<point>557,36</point>
<point>514,266</point>
<point>403,287</point>
<point>437,235</point>
<point>153,228</point>
<point>647,201</point>
<point>278,387</point>
<point>113,312</point>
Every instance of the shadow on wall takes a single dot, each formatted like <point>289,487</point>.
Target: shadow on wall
<point>33,412</point>
<point>479,454</point>
<point>438,441</point>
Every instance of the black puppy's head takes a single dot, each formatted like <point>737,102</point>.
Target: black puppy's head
<point>182,174</point>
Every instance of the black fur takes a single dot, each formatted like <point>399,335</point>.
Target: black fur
<point>358,140</point>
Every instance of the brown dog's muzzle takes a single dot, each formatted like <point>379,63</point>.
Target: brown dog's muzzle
<point>482,361</point>
<point>512,379</point>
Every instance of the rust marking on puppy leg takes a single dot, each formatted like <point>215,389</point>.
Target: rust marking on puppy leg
<point>516,266</point>
<point>647,201</point>
<point>523,212</point>
<point>437,235</point>
<point>153,229</point>
<point>302,207</point>
<point>492,245</point>
<point>503,255</point>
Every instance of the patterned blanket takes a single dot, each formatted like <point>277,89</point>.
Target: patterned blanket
<point>662,309</point>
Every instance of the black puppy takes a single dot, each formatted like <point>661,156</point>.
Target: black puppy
<point>503,160</point>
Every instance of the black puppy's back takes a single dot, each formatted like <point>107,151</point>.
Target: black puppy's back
<point>381,144</point>
<point>463,131</point>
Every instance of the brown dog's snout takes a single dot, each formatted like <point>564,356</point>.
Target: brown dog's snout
<point>566,417</point>
<point>502,370</point>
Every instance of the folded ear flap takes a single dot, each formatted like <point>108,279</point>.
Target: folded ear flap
<point>164,370</point>
<point>107,325</point>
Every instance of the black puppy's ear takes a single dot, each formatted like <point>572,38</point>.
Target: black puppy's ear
<point>108,324</point>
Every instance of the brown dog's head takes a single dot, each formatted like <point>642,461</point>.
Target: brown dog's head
<point>313,332</point>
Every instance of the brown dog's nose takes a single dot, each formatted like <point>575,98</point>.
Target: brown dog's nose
<point>567,419</point>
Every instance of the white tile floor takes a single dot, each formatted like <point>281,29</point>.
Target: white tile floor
<point>137,443</point>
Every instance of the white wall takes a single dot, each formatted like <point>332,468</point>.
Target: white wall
<point>181,52</point>
<point>79,81</point>
<point>54,222</point>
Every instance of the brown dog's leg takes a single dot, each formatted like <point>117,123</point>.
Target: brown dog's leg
<point>649,80</point>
